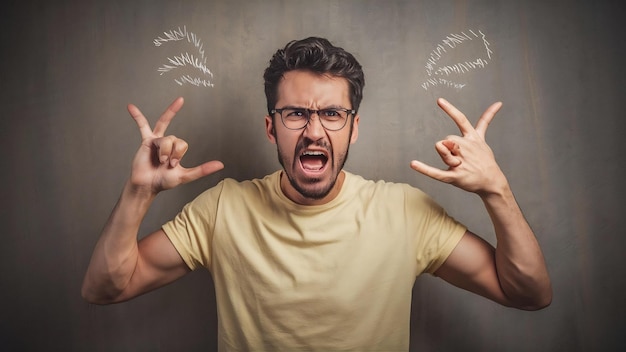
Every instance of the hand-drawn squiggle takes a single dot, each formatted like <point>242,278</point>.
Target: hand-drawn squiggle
<point>185,59</point>
<point>438,75</point>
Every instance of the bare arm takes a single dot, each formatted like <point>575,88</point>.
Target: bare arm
<point>121,267</point>
<point>514,273</point>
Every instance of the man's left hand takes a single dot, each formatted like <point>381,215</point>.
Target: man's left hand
<point>471,163</point>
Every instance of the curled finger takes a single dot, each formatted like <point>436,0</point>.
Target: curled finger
<point>164,147</point>
<point>453,146</point>
<point>179,148</point>
<point>449,152</point>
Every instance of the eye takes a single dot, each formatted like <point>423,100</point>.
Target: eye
<point>294,113</point>
<point>332,114</point>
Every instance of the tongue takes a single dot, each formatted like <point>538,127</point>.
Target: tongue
<point>310,162</point>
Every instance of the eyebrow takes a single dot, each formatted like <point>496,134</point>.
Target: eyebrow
<point>324,108</point>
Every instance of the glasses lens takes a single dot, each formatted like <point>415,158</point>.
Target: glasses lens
<point>295,119</point>
<point>333,119</point>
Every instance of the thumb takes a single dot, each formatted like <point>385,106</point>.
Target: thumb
<point>200,171</point>
<point>429,171</point>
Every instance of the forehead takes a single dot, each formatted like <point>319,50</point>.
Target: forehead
<point>310,89</point>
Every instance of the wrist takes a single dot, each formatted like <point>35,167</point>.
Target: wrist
<point>139,192</point>
<point>498,188</point>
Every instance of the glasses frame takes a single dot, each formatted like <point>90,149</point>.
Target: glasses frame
<point>309,113</point>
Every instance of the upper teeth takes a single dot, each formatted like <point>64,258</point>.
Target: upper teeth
<point>312,153</point>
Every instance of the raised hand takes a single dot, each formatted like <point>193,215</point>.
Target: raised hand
<point>471,163</point>
<point>156,166</point>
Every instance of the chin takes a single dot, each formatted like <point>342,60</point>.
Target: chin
<point>313,188</point>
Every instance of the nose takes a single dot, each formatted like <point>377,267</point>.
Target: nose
<point>314,129</point>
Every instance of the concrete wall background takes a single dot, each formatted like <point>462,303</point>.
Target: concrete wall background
<point>70,67</point>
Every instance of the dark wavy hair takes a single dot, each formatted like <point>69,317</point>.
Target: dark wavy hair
<point>317,55</point>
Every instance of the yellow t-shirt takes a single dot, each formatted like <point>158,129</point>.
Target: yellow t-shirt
<point>332,277</point>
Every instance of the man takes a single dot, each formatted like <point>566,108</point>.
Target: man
<point>312,256</point>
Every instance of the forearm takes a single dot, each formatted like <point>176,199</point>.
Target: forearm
<point>519,260</point>
<point>115,255</point>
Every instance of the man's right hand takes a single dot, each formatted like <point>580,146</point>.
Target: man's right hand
<point>120,267</point>
<point>156,166</point>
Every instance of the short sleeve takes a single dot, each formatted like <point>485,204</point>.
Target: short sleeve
<point>437,233</point>
<point>191,231</point>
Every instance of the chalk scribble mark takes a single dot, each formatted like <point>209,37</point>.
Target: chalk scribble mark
<point>185,59</point>
<point>439,75</point>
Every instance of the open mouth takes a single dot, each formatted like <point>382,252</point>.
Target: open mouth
<point>312,160</point>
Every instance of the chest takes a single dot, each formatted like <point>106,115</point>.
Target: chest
<point>322,254</point>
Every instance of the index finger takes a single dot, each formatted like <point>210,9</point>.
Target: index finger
<point>142,122</point>
<point>168,115</point>
<point>459,118</point>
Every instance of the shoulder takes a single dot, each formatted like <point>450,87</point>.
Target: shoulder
<point>265,184</point>
<point>232,191</point>
<point>356,184</point>
<point>229,185</point>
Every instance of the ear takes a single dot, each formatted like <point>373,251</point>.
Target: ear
<point>355,129</point>
<point>270,131</point>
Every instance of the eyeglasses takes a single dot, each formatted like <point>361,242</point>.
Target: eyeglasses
<point>332,119</point>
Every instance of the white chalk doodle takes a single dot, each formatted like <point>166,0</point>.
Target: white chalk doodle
<point>439,74</point>
<point>198,62</point>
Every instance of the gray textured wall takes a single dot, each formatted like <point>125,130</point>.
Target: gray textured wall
<point>69,68</point>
